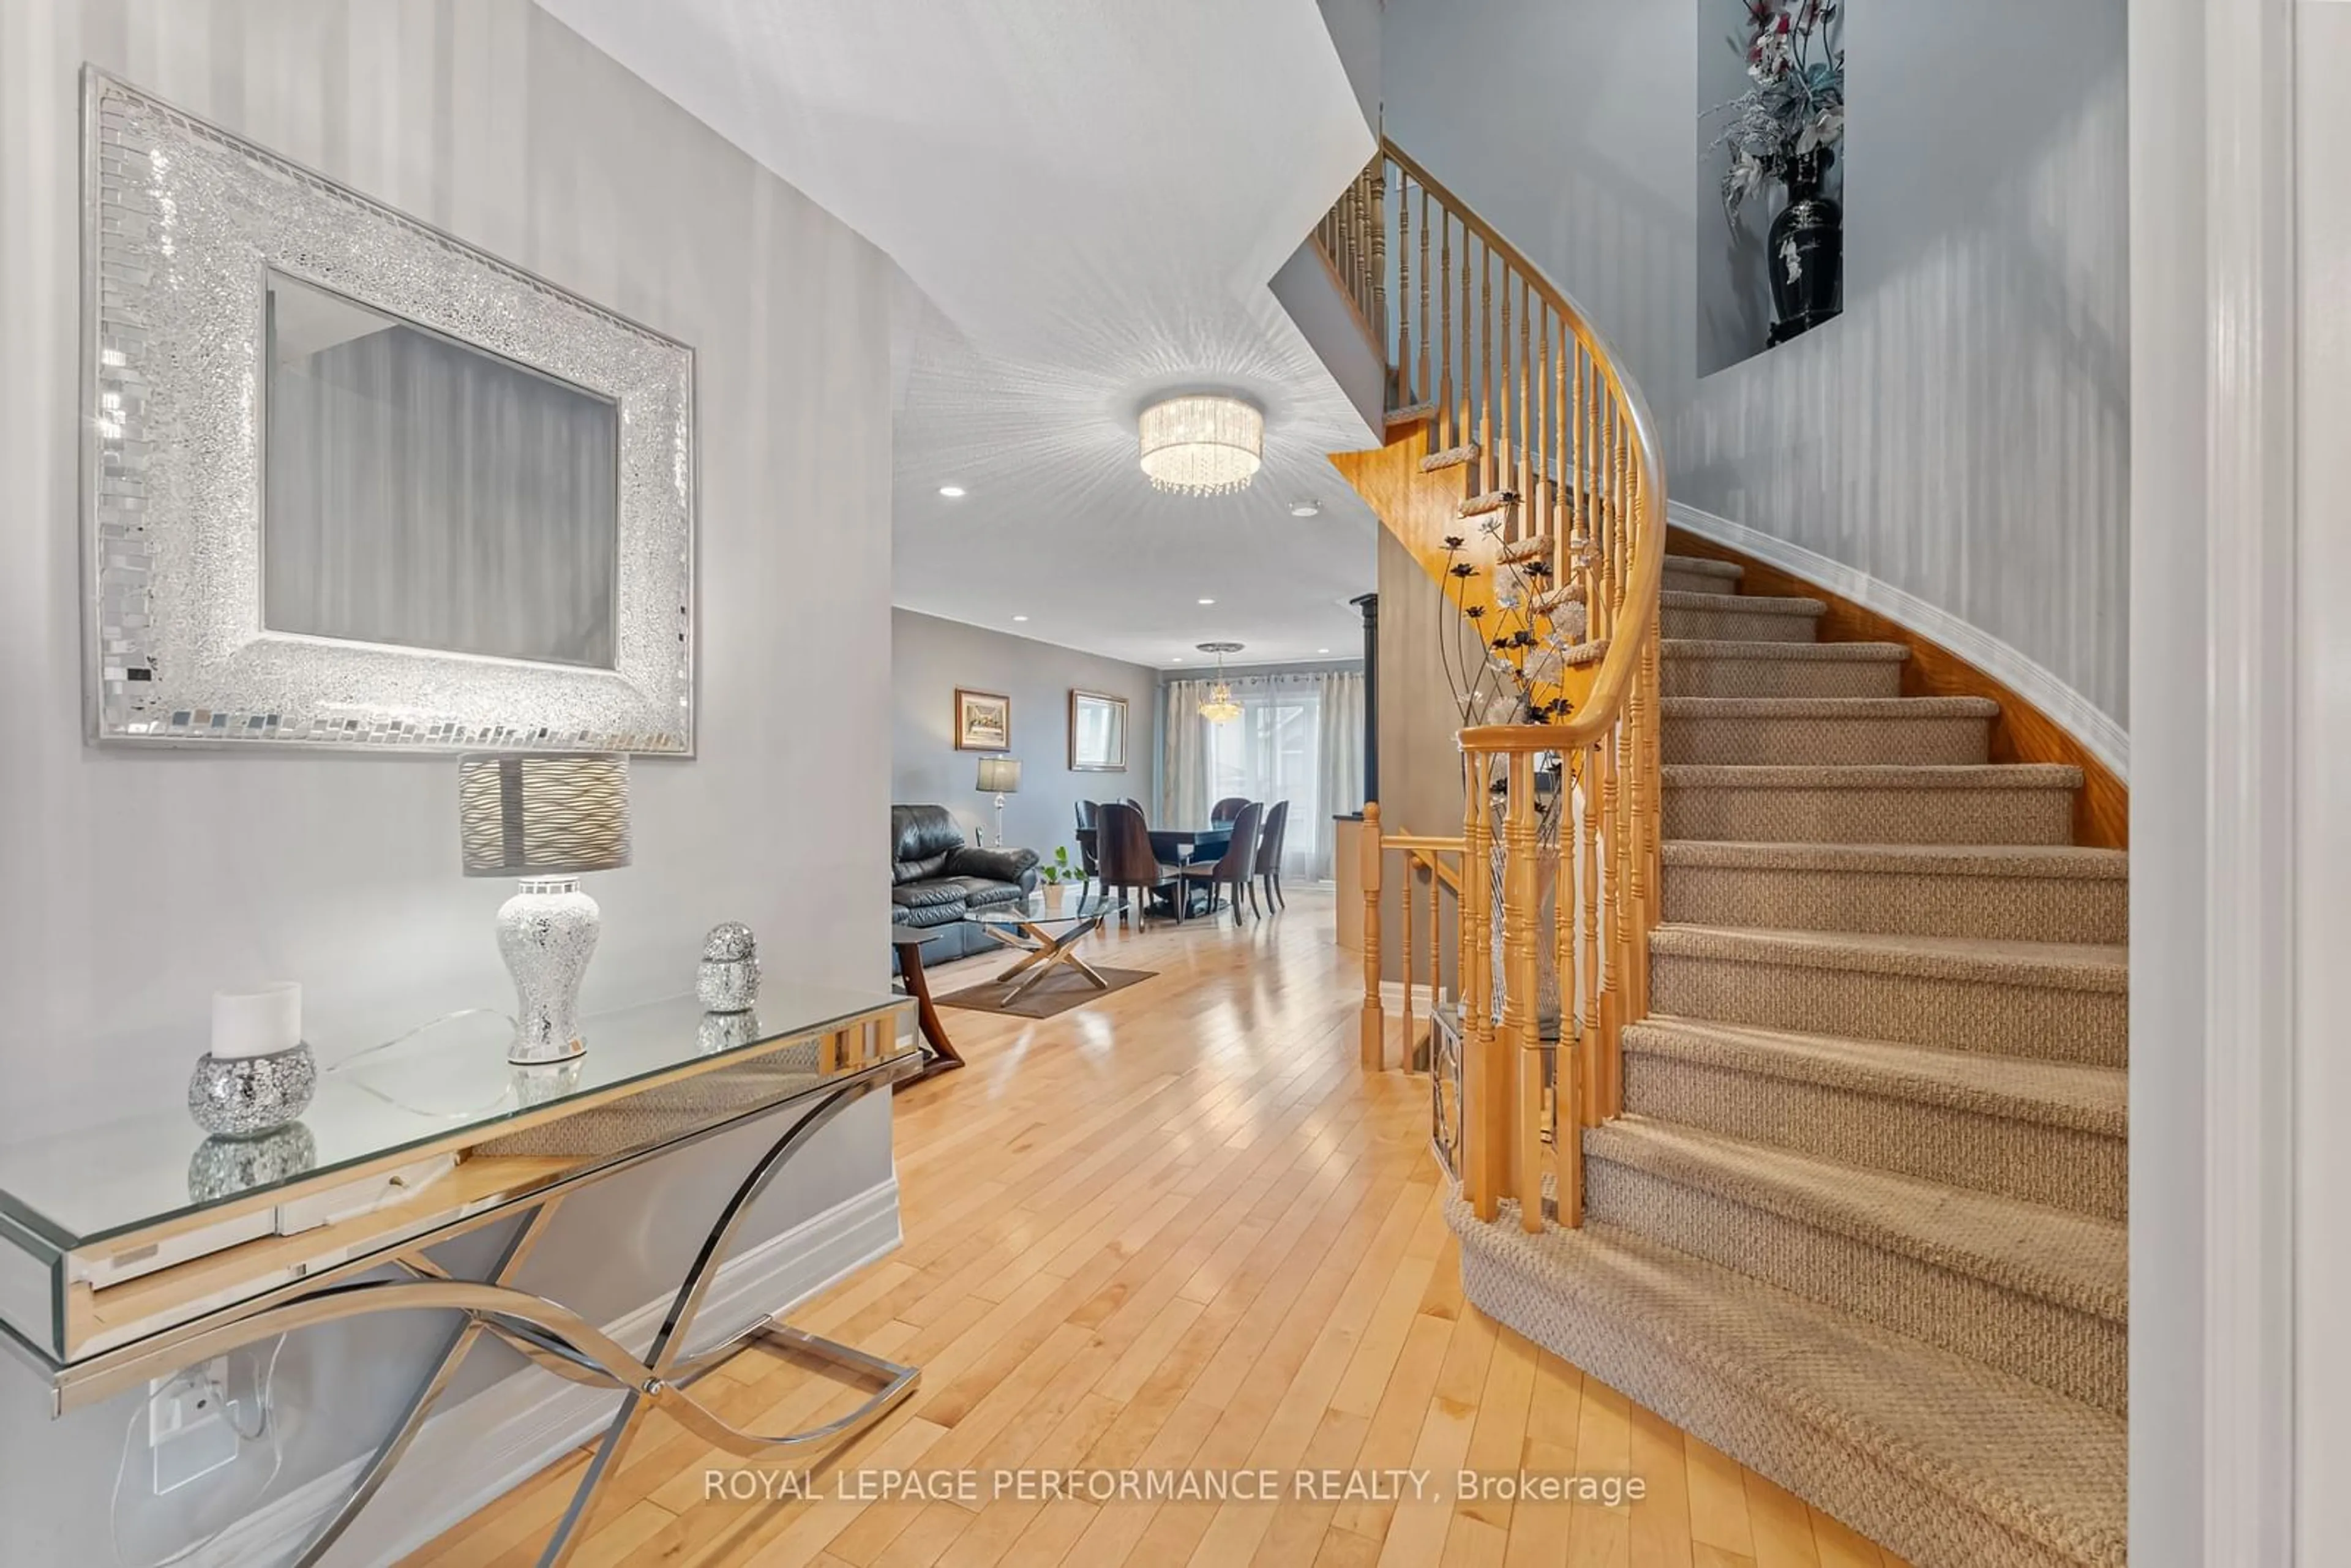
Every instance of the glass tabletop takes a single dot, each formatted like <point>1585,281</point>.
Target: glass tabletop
<point>448,1079</point>
<point>1074,907</point>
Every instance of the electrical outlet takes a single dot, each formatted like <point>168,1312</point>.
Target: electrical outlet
<point>188,1428</point>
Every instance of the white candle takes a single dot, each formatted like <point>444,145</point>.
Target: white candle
<point>258,1023</point>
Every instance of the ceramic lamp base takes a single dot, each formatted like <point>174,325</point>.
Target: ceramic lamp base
<point>547,932</point>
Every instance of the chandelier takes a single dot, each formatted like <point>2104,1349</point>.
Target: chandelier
<point>1220,708</point>
<point>1202,445</point>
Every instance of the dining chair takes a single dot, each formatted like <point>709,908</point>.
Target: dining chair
<point>1089,837</point>
<point>1124,860</point>
<point>1138,812</point>
<point>1227,809</point>
<point>1231,871</point>
<point>1269,855</point>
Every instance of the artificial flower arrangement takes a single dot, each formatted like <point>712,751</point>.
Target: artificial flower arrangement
<point>1794,105</point>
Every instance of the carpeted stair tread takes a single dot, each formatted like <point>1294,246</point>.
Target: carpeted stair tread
<point>1830,707</point>
<point>2065,965</point>
<point>1874,776</point>
<point>1818,652</point>
<point>2053,1093</point>
<point>1940,860</point>
<point>2072,1260</point>
<point>1712,1342</point>
<point>1745,604</point>
<point>1705,566</point>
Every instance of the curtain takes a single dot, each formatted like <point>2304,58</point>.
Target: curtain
<point>1184,798</point>
<point>1300,739</point>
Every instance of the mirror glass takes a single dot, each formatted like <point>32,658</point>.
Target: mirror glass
<point>426,494</point>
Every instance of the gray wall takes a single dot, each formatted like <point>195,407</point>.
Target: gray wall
<point>931,657</point>
<point>1960,431</point>
<point>133,885</point>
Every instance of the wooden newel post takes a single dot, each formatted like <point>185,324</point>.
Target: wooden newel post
<point>1374,1024</point>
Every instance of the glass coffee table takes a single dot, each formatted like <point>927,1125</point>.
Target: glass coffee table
<point>1046,937</point>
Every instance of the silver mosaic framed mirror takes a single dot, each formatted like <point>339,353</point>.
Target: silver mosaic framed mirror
<point>352,483</point>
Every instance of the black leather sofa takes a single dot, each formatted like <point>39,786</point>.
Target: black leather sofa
<point>936,879</point>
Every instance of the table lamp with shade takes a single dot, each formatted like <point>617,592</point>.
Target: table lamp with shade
<point>999,777</point>
<point>545,819</point>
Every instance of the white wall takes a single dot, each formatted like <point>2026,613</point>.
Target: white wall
<point>1960,431</point>
<point>930,657</point>
<point>2322,571</point>
<point>132,885</point>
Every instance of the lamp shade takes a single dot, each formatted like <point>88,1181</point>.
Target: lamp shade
<point>543,813</point>
<point>999,776</point>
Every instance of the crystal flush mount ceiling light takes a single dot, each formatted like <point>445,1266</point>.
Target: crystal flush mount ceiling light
<point>1202,445</point>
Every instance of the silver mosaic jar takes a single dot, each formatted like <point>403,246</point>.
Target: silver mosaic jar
<point>246,1096</point>
<point>728,981</point>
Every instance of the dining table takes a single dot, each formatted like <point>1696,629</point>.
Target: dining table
<point>1178,846</point>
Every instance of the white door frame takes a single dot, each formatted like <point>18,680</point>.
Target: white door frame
<point>2214,746</point>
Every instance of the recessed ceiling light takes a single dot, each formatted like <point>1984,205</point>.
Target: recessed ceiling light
<point>1020,618</point>
<point>1321,650</point>
<point>1179,658</point>
<point>1208,602</point>
<point>951,491</point>
<point>1305,508</point>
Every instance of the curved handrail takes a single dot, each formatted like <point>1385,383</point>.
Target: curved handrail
<point>1611,685</point>
<point>1572,490</point>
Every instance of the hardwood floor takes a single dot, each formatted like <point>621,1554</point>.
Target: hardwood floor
<point>1176,1230</point>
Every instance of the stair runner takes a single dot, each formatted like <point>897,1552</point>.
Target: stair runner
<point>1862,1224</point>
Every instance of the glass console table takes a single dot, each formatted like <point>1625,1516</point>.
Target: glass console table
<point>132,1250</point>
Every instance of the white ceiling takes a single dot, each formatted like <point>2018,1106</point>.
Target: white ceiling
<point>1092,196</point>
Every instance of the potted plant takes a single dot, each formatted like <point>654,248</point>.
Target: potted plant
<point>1055,875</point>
<point>1787,127</point>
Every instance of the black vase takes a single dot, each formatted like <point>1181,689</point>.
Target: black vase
<point>1807,251</point>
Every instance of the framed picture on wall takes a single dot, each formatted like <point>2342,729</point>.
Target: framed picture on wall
<point>1097,732</point>
<point>983,721</point>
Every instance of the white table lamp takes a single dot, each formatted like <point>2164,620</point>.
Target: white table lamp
<point>545,819</point>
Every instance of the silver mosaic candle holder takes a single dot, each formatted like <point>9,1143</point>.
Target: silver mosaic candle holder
<point>728,981</point>
<point>222,1167</point>
<point>248,1096</point>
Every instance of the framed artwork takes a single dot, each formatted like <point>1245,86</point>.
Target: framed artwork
<point>983,721</point>
<point>1097,732</point>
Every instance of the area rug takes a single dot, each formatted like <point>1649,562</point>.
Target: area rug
<point>1055,994</point>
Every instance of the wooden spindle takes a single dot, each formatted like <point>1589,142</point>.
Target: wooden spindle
<point>1435,947</point>
<point>1378,191</point>
<point>1521,1016</point>
<point>1527,417</point>
<point>1445,422</point>
<point>1408,950</point>
<point>1375,1051</point>
<point>1403,295</point>
<point>1484,370</point>
<point>1484,1116</point>
<point>1424,388</point>
<point>1567,1100</point>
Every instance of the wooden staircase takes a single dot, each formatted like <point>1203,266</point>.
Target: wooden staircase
<point>1821,1151</point>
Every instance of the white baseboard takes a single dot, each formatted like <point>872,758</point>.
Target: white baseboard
<point>2100,735</point>
<point>471,1453</point>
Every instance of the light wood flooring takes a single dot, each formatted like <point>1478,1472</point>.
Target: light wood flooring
<point>1177,1230</point>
